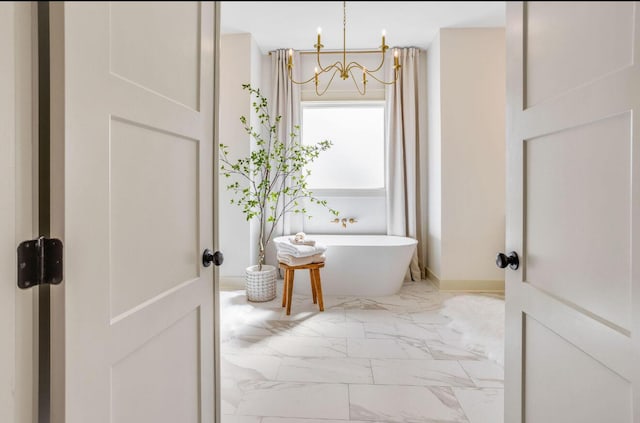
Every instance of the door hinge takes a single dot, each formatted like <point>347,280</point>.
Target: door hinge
<point>39,262</point>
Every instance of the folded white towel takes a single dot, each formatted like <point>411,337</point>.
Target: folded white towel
<point>295,241</point>
<point>300,261</point>
<point>301,250</point>
<point>301,239</point>
<point>285,246</point>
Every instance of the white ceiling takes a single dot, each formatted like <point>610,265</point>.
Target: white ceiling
<point>279,24</point>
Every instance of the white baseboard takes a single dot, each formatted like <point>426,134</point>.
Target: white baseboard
<point>234,283</point>
<point>231,283</point>
<point>449,285</point>
<point>432,277</point>
<point>494,287</point>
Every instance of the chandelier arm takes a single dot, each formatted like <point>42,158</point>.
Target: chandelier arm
<point>322,68</point>
<point>290,72</point>
<point>370,73</point>
<point>328,84</point>
<point>395,73</point>
<point>352,65</point>
<point>337,65</point>
<point>379,66</point>
<point>364,91</point>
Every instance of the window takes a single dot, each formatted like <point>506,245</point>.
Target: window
<point>356,159</point>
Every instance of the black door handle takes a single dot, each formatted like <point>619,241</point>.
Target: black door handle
<point>511,260</point>
<point>208,257</point>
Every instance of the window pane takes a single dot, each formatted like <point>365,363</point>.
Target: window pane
<point>356,159</point>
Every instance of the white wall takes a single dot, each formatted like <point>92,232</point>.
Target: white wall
<point>256,81</point>
<point>369,213</point>
<point>241,63</point>
<point>470,138</point>
<point>434,161</point>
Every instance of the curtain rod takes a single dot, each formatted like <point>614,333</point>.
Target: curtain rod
<point>336,52</point>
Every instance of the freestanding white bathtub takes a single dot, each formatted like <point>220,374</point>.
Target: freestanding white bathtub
<point>360,265</point>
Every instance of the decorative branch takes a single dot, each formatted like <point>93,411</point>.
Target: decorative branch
<point>268,169</point>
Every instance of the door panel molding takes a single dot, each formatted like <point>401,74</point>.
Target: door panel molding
<point>610,347</point>
<point>574,108</point>
<point>134,59</point>
<point>574,395</point>
<point>593,54</point>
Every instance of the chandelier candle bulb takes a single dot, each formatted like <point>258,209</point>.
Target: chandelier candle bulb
<point>364,75</point>
<point>290,57</point>
<point>395,58</point>
<point>319,34</point>
<point>384,34</point>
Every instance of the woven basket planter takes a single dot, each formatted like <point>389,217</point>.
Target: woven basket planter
<point>261,284</point>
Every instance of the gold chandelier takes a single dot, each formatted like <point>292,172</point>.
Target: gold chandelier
<point>344,69</point>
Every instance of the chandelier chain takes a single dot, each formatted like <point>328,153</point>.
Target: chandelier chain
<point>344,32</point>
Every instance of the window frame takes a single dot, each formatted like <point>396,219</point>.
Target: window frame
<point>349,192</point>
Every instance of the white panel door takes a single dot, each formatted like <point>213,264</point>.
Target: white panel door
<point>573,206</point>
<point>138,212</point>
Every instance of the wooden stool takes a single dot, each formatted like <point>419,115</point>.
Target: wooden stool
<point>316,286</point>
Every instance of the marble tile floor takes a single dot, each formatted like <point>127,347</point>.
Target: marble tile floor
<point>384,359</point>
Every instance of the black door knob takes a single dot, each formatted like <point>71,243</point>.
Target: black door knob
<point>511,260</point>
<point>208,257</point>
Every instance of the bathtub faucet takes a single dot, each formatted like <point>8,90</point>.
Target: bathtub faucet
<point>344,221</point>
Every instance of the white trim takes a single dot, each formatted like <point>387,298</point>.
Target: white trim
<point>323,104</point>
<point>488,286</point>
<point>348,192</point>
<point>231,283</point>
<point>450,285</point>
<point>432,276</point>
<point>374,94</point>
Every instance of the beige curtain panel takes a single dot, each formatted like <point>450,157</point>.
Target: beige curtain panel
<point>284,101</point>
<point>404,214</point>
